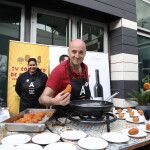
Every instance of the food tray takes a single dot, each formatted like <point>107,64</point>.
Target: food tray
<point>28,127</point>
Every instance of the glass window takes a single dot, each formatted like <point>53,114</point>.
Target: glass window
<point>143,13</point>
<point>52,30</point>
<point>144,57</point>
<point>93,36</point>
<point>10,20</point>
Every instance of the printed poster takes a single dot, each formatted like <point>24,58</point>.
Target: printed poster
<point>19,53</point>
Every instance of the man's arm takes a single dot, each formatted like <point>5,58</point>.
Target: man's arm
<point>61,98</point>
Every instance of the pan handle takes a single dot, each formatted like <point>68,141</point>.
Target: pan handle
<point>110,97</point>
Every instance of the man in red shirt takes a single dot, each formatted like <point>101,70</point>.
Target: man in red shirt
<point>62,58</point>
<point>72,71</point>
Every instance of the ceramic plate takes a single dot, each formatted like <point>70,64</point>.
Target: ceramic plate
<point>60,146</point>
<point>139,135</point>
<point>141,119</point>
<point>92,143</point>
<point>115,137</point>
<point>16,139</point>
<point>143,128</point>
<point>6,147</point>
<point>46,138</point>
<point>28,146</point>
<point>73,135</point>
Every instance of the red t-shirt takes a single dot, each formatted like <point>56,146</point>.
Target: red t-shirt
<point>59,77</point>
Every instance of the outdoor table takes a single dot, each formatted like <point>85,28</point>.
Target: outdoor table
<point>96,130</point>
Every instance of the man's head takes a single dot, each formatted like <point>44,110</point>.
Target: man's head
<point>63,58</point>
<point>76,52</point>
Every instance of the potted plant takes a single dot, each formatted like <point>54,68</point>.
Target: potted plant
<point>142,96</point>
<point>143,99</point>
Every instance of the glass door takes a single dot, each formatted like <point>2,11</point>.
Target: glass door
<point>144,57</point>
<point>10,29</point>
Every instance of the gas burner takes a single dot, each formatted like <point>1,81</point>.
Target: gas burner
<point>93,119</point>
<point>90,118</point>
<point>106,118</point>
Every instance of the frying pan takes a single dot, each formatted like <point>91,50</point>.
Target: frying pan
<point>92,107</point>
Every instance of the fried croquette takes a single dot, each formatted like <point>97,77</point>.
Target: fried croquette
<point>31,117</point>
<point>131,113</point>
<point>133,131</point>
<point>135,119</point>
<point>120,115</point>
<point>129,109</point>
<point>148,126</point>
<point>68,89</point>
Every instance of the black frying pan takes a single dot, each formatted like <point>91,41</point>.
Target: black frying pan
<point>92,107</point>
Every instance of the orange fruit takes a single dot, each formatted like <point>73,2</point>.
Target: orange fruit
<point>146,86</point>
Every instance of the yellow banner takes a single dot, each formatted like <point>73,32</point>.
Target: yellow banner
<point>19,53</point>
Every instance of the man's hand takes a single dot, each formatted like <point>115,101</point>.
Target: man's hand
<point>62,99</point>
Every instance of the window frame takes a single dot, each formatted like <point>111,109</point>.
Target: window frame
<point>22,21</point>
<point>34,12</point>
<point>92,22</point>
<point>143,33</point>
<point>72,21</point>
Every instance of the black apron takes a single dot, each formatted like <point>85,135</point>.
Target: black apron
<point>80,90</point>
<point>32,90</point>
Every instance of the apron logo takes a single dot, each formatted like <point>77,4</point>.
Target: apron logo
<point>82,90</point>
<point>86,84</point>
<point>31,84</point>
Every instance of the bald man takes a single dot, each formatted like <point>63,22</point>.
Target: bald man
<point>74,72</point>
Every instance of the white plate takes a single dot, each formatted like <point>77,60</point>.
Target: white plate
<point>73,135</point>
<point>143,128</point>
<point>115,137</point>
<point>92,143</point>
<point>6,147</point>
<point>60,146</point>
<point>141,119</point>
<point>16,139</point>
<point>46,138</point>
<point>28,146</point>
<point>139,135</point>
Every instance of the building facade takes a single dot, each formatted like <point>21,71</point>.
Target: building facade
<point>106,26</point>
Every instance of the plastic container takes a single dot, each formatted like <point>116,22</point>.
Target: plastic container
<point>4,114</point>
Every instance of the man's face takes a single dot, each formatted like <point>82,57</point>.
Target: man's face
<point>76,52</point>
